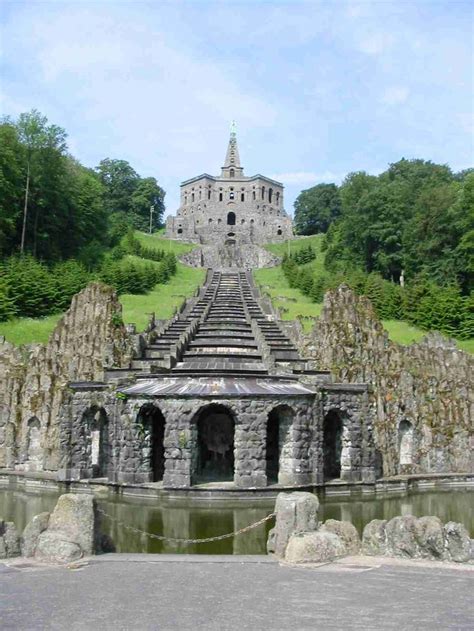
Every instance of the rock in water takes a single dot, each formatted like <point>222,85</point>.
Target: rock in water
<point>71,532</point>
<point>295,512</point>
<point>346,532</point>
<point>33,529</point>
<point>314,547</point>
<point>9,540</point>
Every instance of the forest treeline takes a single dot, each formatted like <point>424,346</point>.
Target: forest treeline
<point>54,208</point>
<point>63,225</point>
<point>404,238</point>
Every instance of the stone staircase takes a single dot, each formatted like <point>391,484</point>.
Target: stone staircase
<point>225,330</point>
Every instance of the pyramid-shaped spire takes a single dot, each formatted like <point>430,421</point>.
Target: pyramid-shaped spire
<point>232,166</point>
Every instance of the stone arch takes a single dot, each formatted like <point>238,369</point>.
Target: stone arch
<point>405,442</point>
<point>180,231</point>
<point>279,445</point>
<point>34,452</point>
<point>214,436</point>
<point>279,233</point>
<point>153,423</point>
<point>95,427</point>
<point>333,430</point>
<point>231,218</point>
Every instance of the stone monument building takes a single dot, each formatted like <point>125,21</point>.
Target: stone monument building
<point>231,206</point>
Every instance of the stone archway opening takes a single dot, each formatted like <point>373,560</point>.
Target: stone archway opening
<point>332,445</point>
<point>34,453</point>
<point>215,444</point>
<point>231,219</point>
<point>279,445</point>
<point>95,419</point>
<point>405,442</point>
<point>154,424</point>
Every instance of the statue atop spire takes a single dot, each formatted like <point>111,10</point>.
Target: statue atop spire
<point>232,166</point>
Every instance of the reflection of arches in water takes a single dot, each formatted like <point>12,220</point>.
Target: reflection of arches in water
<point>231,219</point>
<point>405,442</point>
<point>278,443</point>
<point>215,444</point>
<point>33,445</point>
<point>153,422</point>
<point>95,424</point>
<point>332,445</point>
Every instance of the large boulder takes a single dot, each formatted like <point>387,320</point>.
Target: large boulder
<point>72,530</point>
<point>346,532</point>
<point>374,538</point>
<point>314,547</point>
<point>9,540</point>
<point>295,512</point>
<point>31,533</point>
<point>457,543</point>
<point>430,536</point>
<point>402,537</point>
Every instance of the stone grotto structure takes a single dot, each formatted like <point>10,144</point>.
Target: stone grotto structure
<point>226,395</point>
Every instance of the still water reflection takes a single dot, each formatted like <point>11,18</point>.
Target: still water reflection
<point>192,521</point>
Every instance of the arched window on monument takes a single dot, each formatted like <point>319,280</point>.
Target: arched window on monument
<point>270,195</point>
<point>231,173</point>
<point>277,199</point>
<point>242,197</point>
<point>263,192</point>
<point>209,194</point>
<point>220,196</point>
<point>231,195</point>
<point>192,197</point>
<point>254,197</point>
<point>231,219</point>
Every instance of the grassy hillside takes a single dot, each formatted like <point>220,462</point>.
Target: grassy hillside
<point>163,299</point>
<point>292,303</point>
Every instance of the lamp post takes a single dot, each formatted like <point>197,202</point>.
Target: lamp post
<point>152,210</point>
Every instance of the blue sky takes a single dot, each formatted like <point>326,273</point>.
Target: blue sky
<point>318,89</point>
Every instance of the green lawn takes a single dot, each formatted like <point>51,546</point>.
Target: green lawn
<point>163,300</point>
<point>29,330</point>
<point>292,304</point>
<point>158,242</point>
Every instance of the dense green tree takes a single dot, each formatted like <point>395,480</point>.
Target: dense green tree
<point>12,160</point>
<point>146,195</point>
<point>120,181</point>
<point>316,208</point>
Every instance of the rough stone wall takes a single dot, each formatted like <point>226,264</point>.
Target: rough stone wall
<point>428,385</point>
<point>33,379</point>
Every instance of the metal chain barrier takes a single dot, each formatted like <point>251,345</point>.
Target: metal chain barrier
<point>186,541</point>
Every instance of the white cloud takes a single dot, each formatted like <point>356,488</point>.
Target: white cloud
<point>395,95</point>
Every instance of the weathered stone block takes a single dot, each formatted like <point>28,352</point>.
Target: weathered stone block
<point>374,538</point>
<point>9,540</point>
<point>72,530</point>
<point>346,532</point>
<point>430,536</point>
<point>31,533</point>
<point>457,542</point>
<point>295,512</point>
<point>402,536</point>
<point>314,547</point>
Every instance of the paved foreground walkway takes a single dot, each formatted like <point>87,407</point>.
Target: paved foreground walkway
<point>126,591</point>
